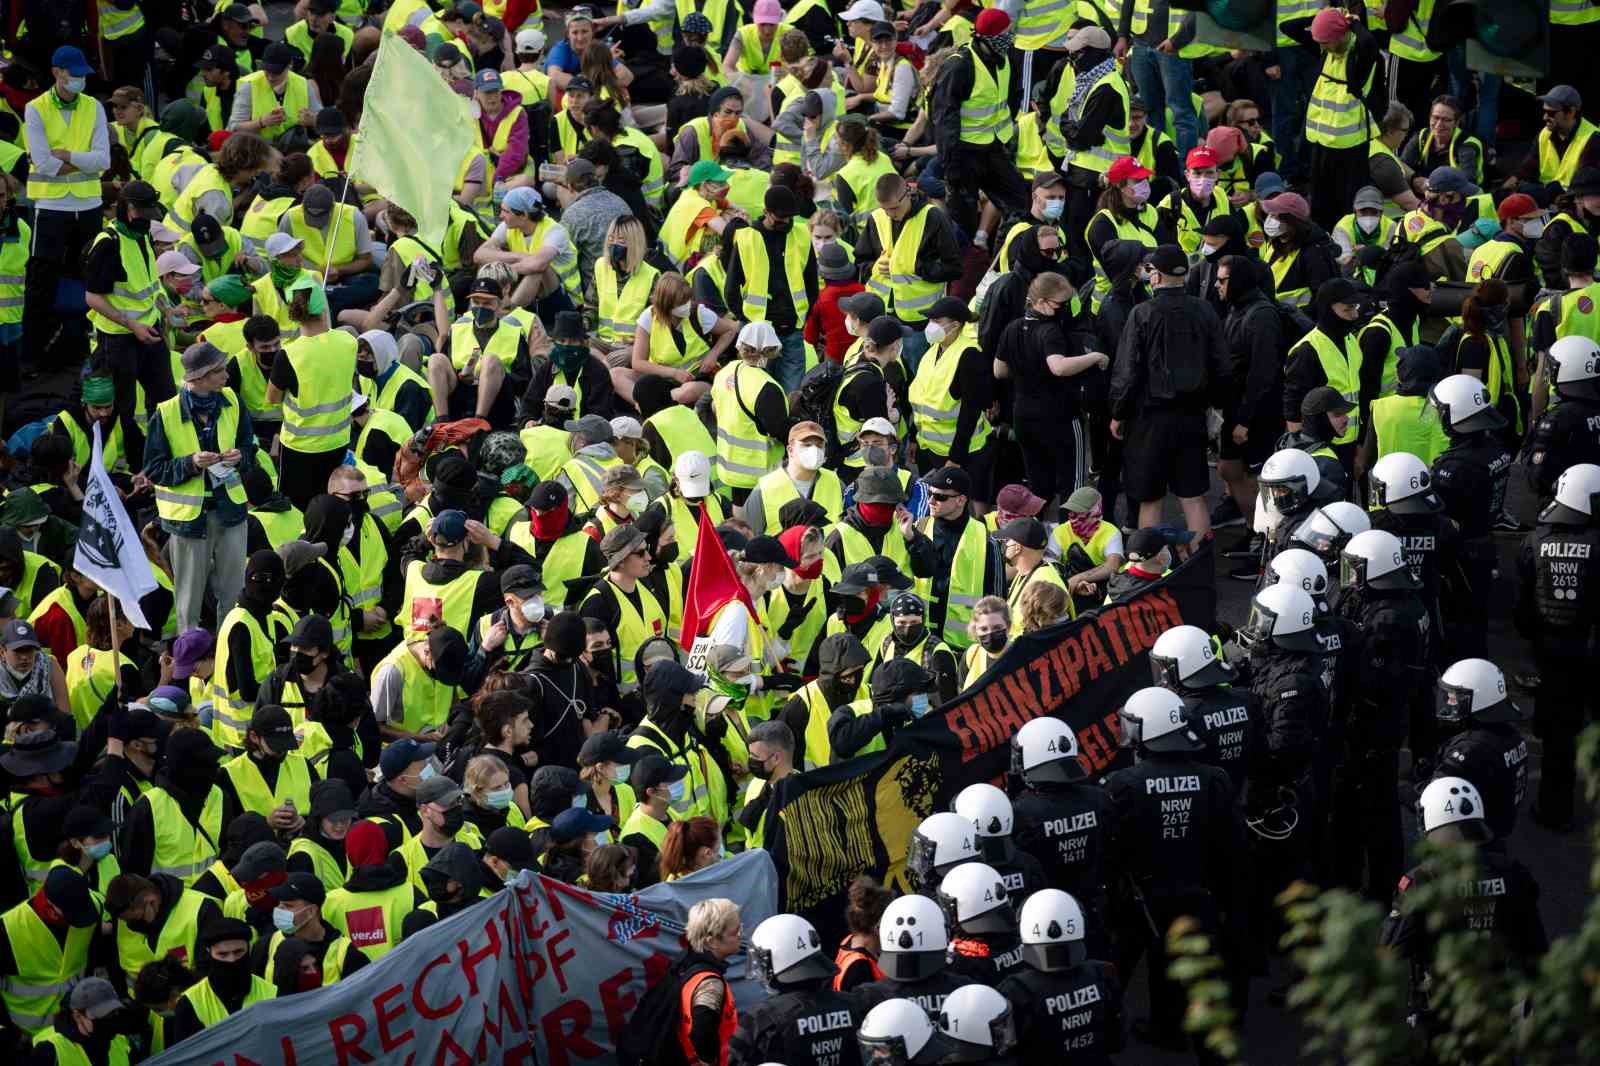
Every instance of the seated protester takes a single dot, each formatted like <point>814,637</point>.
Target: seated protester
<point>371,906</point>
<point>318,848</point>
<point>452,486</point>
<point>572,839</point>
<point>678,339</point>
<point>537,249</point>
<point>1089,546</point>
<point>156,918</point>
<point>416,684</point>
<point>351,280</point>
<point>571,363</point>
<point>481,350</point>
<point>52,473</point>
<point>99,673</point>
<point>271,778</point>
<point>226,985</point>
<point>389,383</point>
<point>297,918</point>
<point>567,559</point>
<point>623,498</point>
<point>445,588</point>
<point>273,519</point>
<point>1149,557</point>
<point>92,1025</point>
<point>453,879</point>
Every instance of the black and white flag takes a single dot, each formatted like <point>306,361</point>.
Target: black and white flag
<point>109,550</point>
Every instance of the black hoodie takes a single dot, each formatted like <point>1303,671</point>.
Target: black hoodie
<point>1253,332</point>
<point>1303,370</point>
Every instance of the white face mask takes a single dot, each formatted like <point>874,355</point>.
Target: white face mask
<point>1367,223</point>
<point>533,609</point>
<point>934,332</point>
<point>810,457</point>
<point>852,327</point>
<point>1272,226</point>
<point>1208,250</point>
<point>681,311</point>
<point>76,85</point>
<point>638,502</point>
<point>1533,228</point>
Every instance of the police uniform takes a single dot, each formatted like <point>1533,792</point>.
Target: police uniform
<point>928,993</point>
<point>1567,433</point>
<point>1064,827</point>
<point>813,1026</point>
<point>1470,477</point>
<point>1230,720</point>
<point>1069,1017</point>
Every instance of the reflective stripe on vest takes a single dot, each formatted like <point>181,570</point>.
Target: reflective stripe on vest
<point>230,711</point>
<point>263,100</point>
<point>965,586</point>
<point>894,276</point>
<point>1337,118</point>
<point>752,250</point>
<point>744,455</point>
<point>316,416</point>
<point>937,410</point>
<point>183,850</point>
<point>621,304</point>
<point>185,501</point>
<point>985,115</point>
<point>777,489</point>
<point>70,129</point>
<point>1342,368</point>
<point>134,294</point>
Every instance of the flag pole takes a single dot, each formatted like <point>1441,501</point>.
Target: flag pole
<point>333,236</point>
<point>116,652</point>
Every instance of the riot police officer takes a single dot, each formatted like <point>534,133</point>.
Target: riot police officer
<point>993,819</point>
<point>979,1022</point>
<point>1227,718</point>
<point>1062,1000</point>
<point>1567,433</point>
<point>1176,825</point>
<point>898,1032</point>
<point>1325,531</point>
<point>983,923</point>
<point>1501,902</point>
<point>1289,487</point>
<point>1380,597</point>
<point>939,844</point>
<point>803,1020</point>
<point>1470,477</point>
<point>1561,591</point>
<point>911,639</point>
<point>1061,817</point>
<point>1491,751</point>
<point>1404,503</point>
<point>912,944</point>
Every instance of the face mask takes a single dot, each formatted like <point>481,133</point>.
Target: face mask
<point>681,311</point>
<point>182,286</point>
<point>677,789</point>
<point>20,675</point>
<point>438,889</point>
<point>919,705</point>
<point>1208,250</point>
<point>638,501</point>
<point>96,852</point>
<point>282,275</point>
<point>349,535</point>
<point>1201,187</point>
<point>532,609</point>
<point>498,799</point>
<point>427,772</point>
<point>75,85</point>
<point>618,253</point>
<point>454,819</point>
<point>909,636</point>
<point>1140,191</point>
<point>876,514</point>
<point>1533,229</point>
<point>483,317</point>
<point>782,225</point>
<point>992,642</point>
<point>283,920</point>
<point>365,369</point>
<point>934,332</point>
<point>810,457</point>
<point>852,327</point>
<point>620,774</point>
<point>758,768</point>
<point>140,226</point>
<point>1272,226</point>
<point>1053,209</point>
<point>1367,223</point>
<point>567,357</point>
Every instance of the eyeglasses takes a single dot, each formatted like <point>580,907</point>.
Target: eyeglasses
<point>943,497</point>
<point>1254,120</point>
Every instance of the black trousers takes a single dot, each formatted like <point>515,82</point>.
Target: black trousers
<point>1364,823</point>
<point>1053,453</point>
<point>59,240</point>
<point>132,362</point>
<point>302,475</point>
<point>1564,704</point>
<point>1337,174</point>
<point>992,169</point>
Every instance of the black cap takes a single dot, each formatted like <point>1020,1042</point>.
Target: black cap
<point>238,13</point>
<point>520,581</point>
<point>781,201</point>
<point>950,479</point>
<point>140,194</point>
<point>653,771</point>
<point>1170,260</point>
<point>908,603</point>
<point>300,885</point>
<point>278,57</point>
<point>666,678</point>
<point>486,287</point>
<point>801,511</point>
<point>331,122</point>
<point>449,650</point>
<point>1028,532</point>
<point>547,495</point>
<point>607,747</point>
<point>1145,543</point>
<point>882,31</point>
<point>1578,253</point>
<point>767,550</point>
<point>885,330</point>
<point>82,822</point>
<point>569,324</point>
<point>511,845</point>
<point>897,678</point>
<point>208,235</point>
<point>68,891</point>
<point>873,570</point>
<point>1324,400</point>
<point>332,798</point>
<point>273,725</point>
<point>312,631</point>
<point>217,57</point>
<point>950,307</point>
<point>840,653</point>
<point>221,930</point>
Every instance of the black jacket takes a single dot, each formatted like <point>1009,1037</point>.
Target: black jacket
<point>1171,357</point>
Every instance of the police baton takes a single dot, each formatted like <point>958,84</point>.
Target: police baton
<point>1144,907</point>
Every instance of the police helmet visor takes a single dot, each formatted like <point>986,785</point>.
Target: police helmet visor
<point>882,1050</point>
<point>1131,735</point>
<point>1055,956</point>
<point>1001,1035</point>
<point>1262,625</point>
<point>1325,544</point>
<point>906,965</point>
<point>1453,703</point>
<point>1168,673</point>
<point>997,919</point>
<point>919,860</point>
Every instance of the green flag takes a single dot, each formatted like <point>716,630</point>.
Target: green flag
<point>415,134</point>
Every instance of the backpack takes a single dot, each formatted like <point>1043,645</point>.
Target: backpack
<point>814,402</point>
<point>651,1035</point>
<point>1295,323</point>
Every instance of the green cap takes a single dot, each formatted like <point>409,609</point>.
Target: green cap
<point>98,390</point>
<point>318,302</point>
<point>230,290</point>
<point>519,473</point>
<point>708,170</point>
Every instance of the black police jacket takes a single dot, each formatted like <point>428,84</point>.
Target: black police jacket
<point>1560,589</point>
<point>1295,713</point>
<point>1493,756</point>
<point>1432,544</point>
<point>1069,1017</point>
<point>1390,670</point>
<point>1565,434</point>
<point>986,960</point>
<point>1175,824</point>
<point>1230,720</point>
<point>927,993</point>
<point>1470,477</point>
<point>1064,827</point>
<point>812,1026</point>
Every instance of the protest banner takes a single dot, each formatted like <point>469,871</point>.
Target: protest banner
<point>829,825</point>
<point>542,972</point>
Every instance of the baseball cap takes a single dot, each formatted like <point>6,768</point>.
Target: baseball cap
<point>208,235</point>
<point>607,747</point>
<point>950,479</point>
<point>189,650</point>
<point>95,996</point>
<point>332,799</point>
<point>1017,499</point>
<point>1088,37</point>
<point>879,425</point>
<point>1084,498</point>
<point>71,60</point>
<point>1170,260</point>
<point>563,397</point>
<point>1268,184</point>
<point>1516,205</point>
<point>512,845</point>
<point>299,554</point>
<point>576,822</point>
<point>487,80</point>
<point>1324,400</point>
<point>768,550</point>
<point>282,243</point>
<point>262,857</point>
<point>865,306</point>
<point>706,170</point>
<point>401,754</point>
<point>882,31</point>
<point>1562,96</point>
<point>273,725</point>
<point>595,429</point>
<point>863,10</point>
<point>69,891</point>
<point>331,122</point>
<point>667,677</point>
<point>873,570</point>
<point>547,495</point>
<point>175,262</point>
<point>312,631</point>
<point>1126,168</point>
<point>807,430</point>
<point>626,427</point>
<point>1199,158</point>
<point>693,471</point>
<point>217,57</point>
<point>885,330</point>
<point>529,41</point>
<point>1449,179</point>
<point>1028,532</point>
<point>448,527</point>
<point>841,652</point>
<point>300,885</point>
<point>278,56</point>
<point>19,634</point>
<point>1369,196</point>
<point>1146,543</point>
<point>520,581</point>
<point>438,790</point>
<point>653,771</point>
<point>317,203</point>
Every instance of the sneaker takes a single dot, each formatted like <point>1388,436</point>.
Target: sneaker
<point>1247,572</point>
<point>1248,548</point>
<point>1509,523</point>
<point>1226,514</point>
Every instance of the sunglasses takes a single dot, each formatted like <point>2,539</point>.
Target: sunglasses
<point>943,497</point>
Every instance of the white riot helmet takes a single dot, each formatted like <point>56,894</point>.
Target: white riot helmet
<point>1377,560</point>
<point>1464,406</point>
<point>941,843</point>
<point>1184,657</point>
<point>1329,528</point>
<point>977,1019</point>
<point>975,900</point>
<point>1402,483</point>
<point>787,951</point>
<point>1284,615</point>
<point>1474,689</point>
<point>912,938</point>
<point>1153,720</point>
<point>1045,750</point>
<point>1575,503</point>
<point>1576,362</point>
<point>990,813</point>
<point>1453,801</point>
<point>897,1032</point>
<point>1052,930</point>
<point>1286,482</point>
<point>1296,566</point>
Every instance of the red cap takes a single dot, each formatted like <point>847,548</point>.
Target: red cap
<point>365,844</point>
<point>1329,25</point>
<point>215,141</point>
<point>1200,158</point>
<point>1289,203</point>
<point>1125,169</point>
<point>1517,205</point>
<point>991,20</point>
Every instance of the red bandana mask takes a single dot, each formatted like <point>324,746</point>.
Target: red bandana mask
<point>548,525</point>
<point>876,514</point>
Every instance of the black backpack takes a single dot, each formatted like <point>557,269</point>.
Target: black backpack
<point>651,1035</point>
<point>814,402</point>
<point>1295,323</point>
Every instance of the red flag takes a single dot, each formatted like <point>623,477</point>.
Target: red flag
<point>713,583</point>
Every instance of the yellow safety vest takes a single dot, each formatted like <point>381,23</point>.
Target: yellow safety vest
<point>937,410</point>
<point>67,1052</point>
<point>134,295</point>
<point>1573,12</point>
<point>504,343</point>
<point>299,34</point>
<point>294,783</point>
<point>453,599</point>
<point>46,969</point>
<point>212,269</point>
<point>985,115</point>
<point>91,678</point>
<point>744,454</point>
<point>705,789</point>
<point>183,849</point>
<point>184,501</point>
<point>1552,168</point>
<point>753,59</point>
<point>1045,573</point>
<point>635,625</point>
<point>548,449</point>
<point>261,221</point>
<point>231,711</point>
<point>862,179</point>
<point>621,302</point>
<point>681,431</point>
<point>1343,371</point>
<point>371,920</point>
<point>1186,222</point>
<point>1066,539</point>
<point>1337,118</point>
<point>333,959</point>
<point>1141,229</point>
<point>1280,263</point>
<point>752,251</point>
<point>209,1008</point>
<point>856,548</point>
<point>13,275</point>
<point>894,276</point>
<point>587,474</point>
<point>316,416</point>
<point>640,822</point>
<point>675,228</point>
<point>777,489</point>
<point>565,264</point>
<point>296,97</point>
<point>207,179</point>
<point>179,932</point>
<point>427,701</point>
<point>315,249</point>
<point>665,347</point>
<point>966,580</point>
<point>1115,143</point>
<point>62,596</point>
<point>330,869</point>
<point>1390,375</point>
<point>1408,424</point>
<point>73,129</point>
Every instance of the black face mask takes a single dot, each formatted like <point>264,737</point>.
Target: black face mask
<point>140,226</point>
<point>782,225</point>
<point>842,687</point>
<point>438,889</point>
<point>366,369</point>
<point>758,769</point>
<point>454,819</point>
<point>268,357</point>
<point>303,662</point>
<point>358,512</point>
<point>195,778</point>
<point>910,636</point>
<point>229,978</point>
<point>993,642</point>
<point>667,554</point>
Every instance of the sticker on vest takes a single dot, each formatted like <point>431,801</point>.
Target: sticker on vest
<point>1585,304</point>
<point>425,612</point>
<point>366,927</point>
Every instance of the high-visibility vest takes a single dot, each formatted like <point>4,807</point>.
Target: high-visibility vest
<point>1141,228</point>
<point>117,23</point>
<point>207,179</point>
<point>587,474</point>
<point>329,868</point>
<point>561,564</point>
<point>1043,23</point>
<point>231,711</point>
<point>415,856</point>
<point>802,635</point>
<point>1408,424</point>
<point>13,274</point>
<point>862,179</point>
<point>315,249</point>
<point>548,449</point>
<point>883,90</point>
<point>1390,376</point>
<point>680,219</point>
<point>35,868</point>
<point>705,788</point>
<point>82,447</point>
<point>681,430</point>
<point>253,388</point>
<point>91,678</point>
<point>635,625</point>
<point>1337,117</point>
<point>1497,375</point>
<point>751,247</point>
<point>1577,313</point>
<point>621,302</point>
<point>180,929</point>
<point>1095,547</point>
<point>1410,42</point>
<point>68,1052</point>
<point>427,701</point>
<point>281,526</point>
<point>63,597</point>
<point>640,822</point>
<point>72,129</point>
<point>1379,238</point>
<point>666,349</point>
<point>1573,12</point>
<point>316,416</point>
<point>370,919</point>
<point>296,98</point>
<point>453,599</point>
<point>1343,371</point>
<point>333,960</point>
<point>185,501</point>
<point>267,300</point>
<point>32,564</point>
<point>1423,230</point>
<point>388,393</point>
<point>299,34</point>
<point>134,295</point>
<point>46,968</point>
<point>754,59</point>
<point>965,589</point>
<point>1490,257</point>
<point>565,264</point>
<point>166,169</point>
<point>1115,143</point>
<point>894,276</point>
<point>1457,137</point>
<point>777,489</point>
<point>504,343</point>
<point>1032,157</point>
<point>1280,262</point>
<point>937,410</point>
<point>1186,222</point>
<point>856,548</point>
<point>261,221</point>
<point>654,186</point>
<point>209,1008</point>
<point>744,453</point>
<point>212,269</point>
<point>985,115</point>
<point>1045,573</point>
<point>183,849</point>
<point>294,783</point>
<point>1553,168</point>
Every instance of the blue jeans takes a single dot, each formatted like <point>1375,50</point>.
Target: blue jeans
<point>912,347</point>
<point>1165,81</point>
<point>1291,96</point>
<point>1487,95</point>
<point>790,366</point>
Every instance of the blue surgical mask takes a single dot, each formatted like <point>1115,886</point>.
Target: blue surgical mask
<point>96,852</point>
<point>919,705</point>
<point>620,773</point>
<point>498,799</point>
<point>1053,209</point>
<point>76,85</point>
<point>426,772</point>
<point>678,788</point>
<point>283,920</point>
